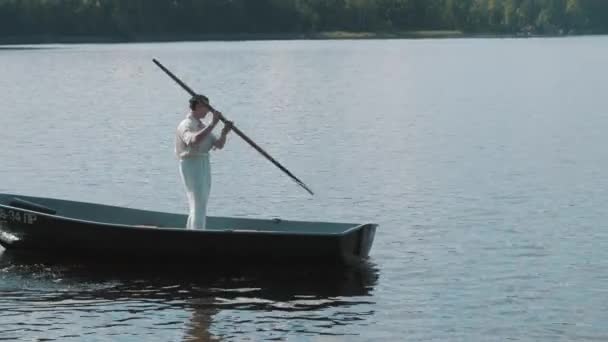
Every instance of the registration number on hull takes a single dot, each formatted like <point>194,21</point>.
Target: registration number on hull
<point>7,215</point>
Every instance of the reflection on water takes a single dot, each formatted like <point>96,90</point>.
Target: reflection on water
<point>59,299</point>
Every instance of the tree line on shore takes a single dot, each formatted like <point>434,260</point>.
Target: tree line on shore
<point>125,18</point>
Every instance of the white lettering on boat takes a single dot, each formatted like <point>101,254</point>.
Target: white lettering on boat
<point>17,216</point>
<point>14,215</point>
<point>30,218</point>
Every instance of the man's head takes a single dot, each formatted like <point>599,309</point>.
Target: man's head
<point>199,104</point>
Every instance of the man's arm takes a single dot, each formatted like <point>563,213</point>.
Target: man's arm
<point>219,143</point>
<point>203,133</point>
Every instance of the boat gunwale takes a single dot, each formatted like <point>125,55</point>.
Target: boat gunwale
<point>195,231</point>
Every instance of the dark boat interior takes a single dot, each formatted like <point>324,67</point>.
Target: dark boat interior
<point>106,214</point>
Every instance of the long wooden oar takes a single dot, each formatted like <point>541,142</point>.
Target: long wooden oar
<point>236,130</point>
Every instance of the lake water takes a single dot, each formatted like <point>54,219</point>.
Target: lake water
<point>482,160</point>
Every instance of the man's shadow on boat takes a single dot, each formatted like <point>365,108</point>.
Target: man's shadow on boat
<point>205,289</point>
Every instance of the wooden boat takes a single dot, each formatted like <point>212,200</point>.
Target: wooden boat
<point>69,228</point>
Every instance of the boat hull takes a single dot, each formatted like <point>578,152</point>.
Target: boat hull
<point>36,231</point>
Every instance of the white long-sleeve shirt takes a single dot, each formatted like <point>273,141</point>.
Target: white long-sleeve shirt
<point>185,147</point>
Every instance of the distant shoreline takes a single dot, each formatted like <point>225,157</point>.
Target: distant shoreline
<point>335,35</point>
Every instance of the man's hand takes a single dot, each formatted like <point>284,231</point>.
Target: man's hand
<point>227,127</point>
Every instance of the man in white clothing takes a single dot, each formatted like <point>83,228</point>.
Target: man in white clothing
<point>193,142</point>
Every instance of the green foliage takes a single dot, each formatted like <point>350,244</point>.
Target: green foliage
<point>132,17</point>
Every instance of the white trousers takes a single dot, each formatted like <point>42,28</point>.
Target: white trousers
<point>196,176</point>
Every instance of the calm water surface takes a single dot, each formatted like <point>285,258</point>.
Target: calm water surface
<point>483,162</point>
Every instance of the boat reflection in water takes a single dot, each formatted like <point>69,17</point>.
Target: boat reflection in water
<point>205,303</point>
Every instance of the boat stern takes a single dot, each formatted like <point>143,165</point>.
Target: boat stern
<point>366,239</point>
<point>357,243</point>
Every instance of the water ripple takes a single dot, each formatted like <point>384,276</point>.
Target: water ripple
<point>483,161</point>
<point>124,304</point>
